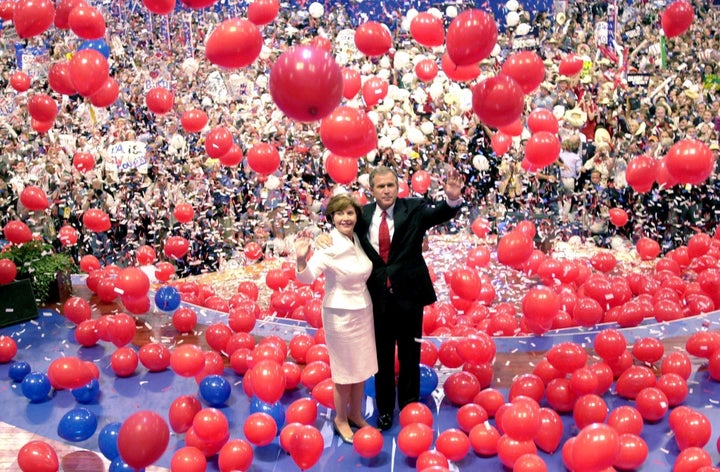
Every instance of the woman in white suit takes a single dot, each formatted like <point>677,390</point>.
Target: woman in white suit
<point>347,310</point>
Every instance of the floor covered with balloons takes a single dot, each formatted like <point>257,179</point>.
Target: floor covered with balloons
<point>50,416</point>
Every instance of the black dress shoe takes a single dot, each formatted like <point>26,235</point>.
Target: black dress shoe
<point>384,422</point>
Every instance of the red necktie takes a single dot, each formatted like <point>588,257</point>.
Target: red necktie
<point>384,238</point>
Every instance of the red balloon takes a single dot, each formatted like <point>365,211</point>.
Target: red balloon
<point>33,17</point>
<point>549,433</point>
<point>306,446</point>
<point>42,107</point>
<point>89,70</point>
<point>527,68</point>
<point>514,248</point>
<point>303,411</point>
<point>182,412</point>
<point>542,119</point>
<point>510,450</point>
<point>461,387</point>
<point>570,65</point>
<point>164,271</point>
<point>159,100</point>
<point>690,161</point>
<point>107,94</point>
<point>348,132</point>
<point>83,161</point>
<point>236,454</point>
<point>8,271</point>
<point>124,362</point>
<point>595,448</point>
<point>233,157</point>
<point>59,78</point>
<point>263,158</point>
<point>677,18</point>
<point>184,212</point>
<point>471,37</point>
<point>500,143</point>
<point>453,444</point>
<point>193,120</point>
<point>414,439</point>
<point>20,81</point>
<point>342,170</point>
<point>484,439</point>
<point>38,456</point>
<point>69,373</point>
<point>87,22</point>
<point>498,101</point>
<point>465,282</point>
<point>268,381</point>
<point>368,442</point>
<point>373,38</point>
<point>160,7</point>
<point>188,458</point>
<point>262,12</point>
<point>260,429</point>
<point>459,73</point>
<point>143,438</point>
<point>253,251</point>
<point>306,83</point>
<point>17,232</point>
<point>210,424</point>
<point>427,29</point>
<point>633,380</point>
<point>567,357</point>
<point>652,403</point>
<point>641,172</point>
<point>647,248</point>
<point>176,247</point>
<point>351,82</point>
<point>540,305</point>
<point>374,90</point>
<point>542,149</point>
<point>618,217</point>
<point>481,227</point>
<point>426,70</point>
<point>234,43</point>
<point>155,357</point>
<point>34,198</point>
<point>187,360</point>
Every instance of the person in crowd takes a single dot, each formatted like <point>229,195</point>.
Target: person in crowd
<point>347,310</point>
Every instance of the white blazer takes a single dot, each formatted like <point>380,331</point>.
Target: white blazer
<point>346,269</point>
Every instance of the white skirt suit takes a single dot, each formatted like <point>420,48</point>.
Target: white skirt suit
<point>347,309</point>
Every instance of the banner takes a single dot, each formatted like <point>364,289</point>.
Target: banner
<point>35,61</point>
<point>126,156</point>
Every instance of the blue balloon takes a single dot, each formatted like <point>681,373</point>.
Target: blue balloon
<point>119,465</point>
<point>36,386</point>
<point>276,410</point>
<point>88,393</point>
<point>215,389</point>
<point>428,381</point>
<point>18,370</point>
<point>167,298</point>
<point>108,440</point>
<point>97,44</point>
<point>370,387</point>
<point>77,425</point>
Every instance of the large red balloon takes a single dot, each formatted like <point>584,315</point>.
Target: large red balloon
<point>427,29</point>
<point>262,12</point>
<point>677,18</point>
<point>8,271</point>
<point>690,161</point>
<point>471,37</point>
<point>160,7</point>
<point>342,170</point>
<point>33,17</point>
<point>159,100</point>
<point>306,83</point>
<point>373,90</point>
<point>176,247</point>
<point>96,220</point>
<point>373,38</point>
<point>218,141</point>
<point>107,94</point>
<point>17,232</point>
<point>542,149</point>
<point>68,235</point>
<point>87,22</point>
<point>69,373</point>
<point>38,456</point>
<point>234,43</point>
<point>542,119</point>
<point>233,157</point>
<point>570,65</point>
<point>62,12</point>
<point>459,73</point>
<point>640,173</point>
<point>42,107</point>
<point>183,212</point>
<point>514,248</point>
<point>603,442</point>
<point>263,158</point>
<point>306,446</point>
<point>59,78</point>
<point>348,132</point>
<point>193,120</point>
<point>426,70</point>
<point>34,198</point>
<point>618,217</point>
<point>351,82</point>
<point>143,438</point>
<point>20,81</point>
<point>498,101</point>
<point>89,70</point>
<point>527,68</point>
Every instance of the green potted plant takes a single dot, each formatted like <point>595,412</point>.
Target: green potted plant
<point>49,271</point>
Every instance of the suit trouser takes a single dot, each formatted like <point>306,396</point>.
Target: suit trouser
<point>397,321</point>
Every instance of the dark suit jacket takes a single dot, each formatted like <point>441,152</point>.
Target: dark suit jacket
<point>406,266</point>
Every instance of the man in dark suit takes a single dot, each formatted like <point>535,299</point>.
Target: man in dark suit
<point>400,284</point>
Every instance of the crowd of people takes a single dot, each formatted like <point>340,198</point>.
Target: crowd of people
<point>639,98</point>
